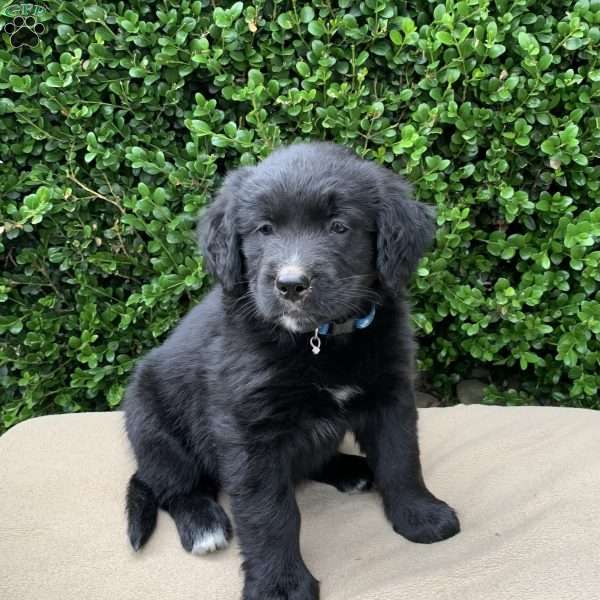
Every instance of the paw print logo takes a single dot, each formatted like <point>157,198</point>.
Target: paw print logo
<point>24,31</point>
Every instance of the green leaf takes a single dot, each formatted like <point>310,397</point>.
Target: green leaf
<point>236,10</point>
<point>95,12</point>
<point>284,20</point>
<point>54,82</point>
<point>19,84</point>
<point>255,77</point>
<point>550,146</point>
<point>445,38</point>
<point>496,50</point>
<point>524,40</point>
<point>396,37</point>
<point>452,75</point>
<point>307,14</point>
<point>316,28</point>
<point>303,69</point>
<point>573,43</point>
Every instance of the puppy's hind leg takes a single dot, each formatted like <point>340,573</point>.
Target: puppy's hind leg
<point>171,478</point>
<point>202,524</point>
<point>347,473</point>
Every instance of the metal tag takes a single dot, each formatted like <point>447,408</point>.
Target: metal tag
<point>315,342</point>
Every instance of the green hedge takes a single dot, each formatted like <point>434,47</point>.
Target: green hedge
<point>117,127</point>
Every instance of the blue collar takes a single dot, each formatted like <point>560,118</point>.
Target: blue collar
<point>347,326</point>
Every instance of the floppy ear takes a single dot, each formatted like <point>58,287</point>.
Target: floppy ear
<point>405,229</point>
<point>218,236</point>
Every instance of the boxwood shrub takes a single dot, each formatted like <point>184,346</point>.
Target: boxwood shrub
<point>119,124</point>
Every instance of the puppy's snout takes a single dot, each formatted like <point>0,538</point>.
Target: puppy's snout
<point>292,283</point>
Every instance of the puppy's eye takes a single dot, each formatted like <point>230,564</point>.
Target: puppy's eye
<point>339,227</point>
<point>265,229</point>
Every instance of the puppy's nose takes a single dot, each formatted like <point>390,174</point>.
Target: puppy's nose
<point>292,283</point>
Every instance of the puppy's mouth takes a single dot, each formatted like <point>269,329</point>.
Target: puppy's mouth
<point>298,321</point>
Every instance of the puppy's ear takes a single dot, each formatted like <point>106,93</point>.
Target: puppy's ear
<point>217,232</point>
<point>405,229</point>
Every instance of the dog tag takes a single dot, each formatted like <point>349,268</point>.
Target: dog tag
<point>315,342</point>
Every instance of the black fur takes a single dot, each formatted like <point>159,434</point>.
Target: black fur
<point>235,400</point>
<point>141,512</point>
<point>346,473</point>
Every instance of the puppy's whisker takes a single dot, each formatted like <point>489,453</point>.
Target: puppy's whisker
<point>359,276</point>
<point>249,310</point>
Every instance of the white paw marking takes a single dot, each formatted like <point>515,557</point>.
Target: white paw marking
<point>344,393</point>
<point>209,541</point>
<point>360,486</point>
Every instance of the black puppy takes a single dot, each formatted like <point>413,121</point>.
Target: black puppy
<point>305,338</point>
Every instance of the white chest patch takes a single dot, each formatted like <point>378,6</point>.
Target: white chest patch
<point>290,323</point>
<point>344,393</point>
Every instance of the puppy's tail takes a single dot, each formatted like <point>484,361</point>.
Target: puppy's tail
<point>141,512</point>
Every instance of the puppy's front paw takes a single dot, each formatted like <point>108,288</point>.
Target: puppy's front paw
<point>424,519</point>
<point>289,586</point>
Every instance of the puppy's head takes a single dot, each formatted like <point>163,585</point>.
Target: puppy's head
<point>312,232</point>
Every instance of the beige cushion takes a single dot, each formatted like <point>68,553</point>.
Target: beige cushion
<point>525,481</point>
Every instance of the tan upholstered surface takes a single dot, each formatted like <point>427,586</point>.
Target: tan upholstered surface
<point>525,481</point>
